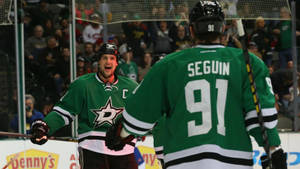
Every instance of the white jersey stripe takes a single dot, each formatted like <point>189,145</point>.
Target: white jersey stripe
<point>265,112</point>
<point>133,130</point>
<point>136,122</point>
<point>208,148</point>
<point>66,120</point>
<point>208,164</point>
<point>92,133</point>
<point>63,111</point>
<point>268,125</point>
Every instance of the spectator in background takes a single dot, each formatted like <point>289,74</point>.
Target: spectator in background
<point>93,31</point>
<point>230,7</point>
<point>159,11</point>
<point>51,52</point>
<point>89,54</point>
<point>146,65</point>
<point>252,47</point>
<point>137,36</point>
<point>126,66</point>
<point>284,31</point>
<point>62,32</point>
<point>28,27</point>
<point>104,7</point>
<point>48,28</point>
<point>46,106</point>
<point>182,13</point>
<point>82,13</point>
<point>35,44</point>
<point>282,81</point>
<point>41,13</point>
<point>81,67</point>
<point>63,64</point>
<point>232,33</point>
<point>263,40</point>
<point>49,77</point>
<point>162,42</point>
<point>31,114</point>
<point>181,40</point>
<point>230,41</point>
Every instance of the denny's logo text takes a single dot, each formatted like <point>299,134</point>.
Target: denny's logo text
<point>32,159</point>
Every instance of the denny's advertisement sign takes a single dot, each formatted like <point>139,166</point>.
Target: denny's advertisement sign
<point>32,158</point>
<point>22,154</point>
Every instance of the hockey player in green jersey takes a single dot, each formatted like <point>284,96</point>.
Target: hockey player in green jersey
<point>98,101</point>
<point>205,93</point>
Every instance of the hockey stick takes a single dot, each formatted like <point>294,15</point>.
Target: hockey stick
<point>11,161</point>
<point>253,91</point>
<point>10,134</point>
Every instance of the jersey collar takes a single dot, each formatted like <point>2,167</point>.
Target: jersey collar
<point>99,79</point>
<point>209,46</point>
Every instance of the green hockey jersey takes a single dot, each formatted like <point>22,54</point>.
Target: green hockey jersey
<point>210,114</point>
<point>97,106</point>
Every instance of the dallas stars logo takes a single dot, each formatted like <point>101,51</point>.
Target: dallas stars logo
<point>106,114</point>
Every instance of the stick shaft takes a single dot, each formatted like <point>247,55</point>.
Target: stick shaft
<point>253,91</point>
<point>11,134</point>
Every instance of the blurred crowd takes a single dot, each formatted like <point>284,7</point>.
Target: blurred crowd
<point>141,44</point>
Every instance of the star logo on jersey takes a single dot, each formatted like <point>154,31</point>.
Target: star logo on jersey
<point>106,114</point>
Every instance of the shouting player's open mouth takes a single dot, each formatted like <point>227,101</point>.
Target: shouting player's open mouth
<point>108,68</point>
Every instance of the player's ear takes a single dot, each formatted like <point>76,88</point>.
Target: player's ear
<point>192,31</point>
<point>223,28</point>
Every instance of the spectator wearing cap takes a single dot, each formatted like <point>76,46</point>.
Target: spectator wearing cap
<point>253,48</point>
<point>93,32</point>
<point>81,67</point>
<point>126,66</point>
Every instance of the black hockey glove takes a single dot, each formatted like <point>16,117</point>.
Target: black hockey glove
<point>113,139</point>
<point>278,160</point>
<point>39,131</point>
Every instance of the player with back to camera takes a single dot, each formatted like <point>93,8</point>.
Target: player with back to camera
<point>205,93</point>
<point>98,101</point>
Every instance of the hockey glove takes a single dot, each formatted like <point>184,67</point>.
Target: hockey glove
<point>39,131</point>
<point>113,139</point>
<point>278,159</point>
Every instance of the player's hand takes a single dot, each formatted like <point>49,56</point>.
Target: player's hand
<point>113,140</point>
<point>278,159</point>
<point>39,131</point>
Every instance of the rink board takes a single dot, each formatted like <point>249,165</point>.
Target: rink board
<point>22,154</point>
